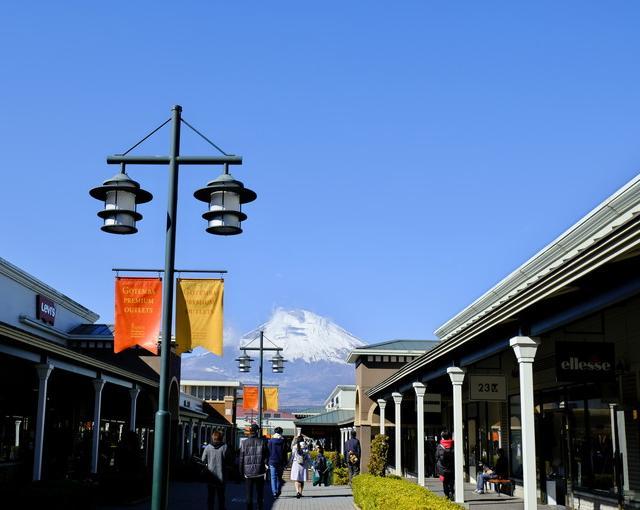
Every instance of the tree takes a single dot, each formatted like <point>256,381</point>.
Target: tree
<point>379,453</point>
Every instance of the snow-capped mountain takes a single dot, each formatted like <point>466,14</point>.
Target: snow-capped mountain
<point>314,347</point>
<point>305,335</point>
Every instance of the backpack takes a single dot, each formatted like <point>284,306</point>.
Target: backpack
<point>447,460</point>
<point>321,464</point>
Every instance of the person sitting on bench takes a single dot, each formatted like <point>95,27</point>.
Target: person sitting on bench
<point>500,471</point>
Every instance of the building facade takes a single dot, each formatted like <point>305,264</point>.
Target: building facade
<point>373,364</point>
<point>67,402</point>
<point>546,366</point>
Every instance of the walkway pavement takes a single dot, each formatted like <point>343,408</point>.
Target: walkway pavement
<point>193,496</point>
<point>485,501</point>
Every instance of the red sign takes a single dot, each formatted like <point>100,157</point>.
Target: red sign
<point>45,310</point>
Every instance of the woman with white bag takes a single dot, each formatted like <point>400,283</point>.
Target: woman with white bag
<point>299,464</point>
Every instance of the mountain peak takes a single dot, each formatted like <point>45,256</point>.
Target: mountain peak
<point>306,336</point>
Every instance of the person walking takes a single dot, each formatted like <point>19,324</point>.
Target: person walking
<point>216,460</point>
<point>299,465</point>
<point>277,461</point>
<point>352,447</point>
<point>445,463</point>
<point>252,463</point>
<point>321,467</point>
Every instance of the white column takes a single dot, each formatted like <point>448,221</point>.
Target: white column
<point>17,425</point>
<point>525,349</point>
<point>382,404</point>
<point>397,398</point>
<point>98,385</point>
<point>342,441</point>
<point>190,442</point>
<point>183,435</point>
<point>456,374</point>
<point>420,391</point>
<point>133,392</point>
<point>44,371</point>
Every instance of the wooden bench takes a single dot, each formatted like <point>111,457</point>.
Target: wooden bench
<point>499,483</point>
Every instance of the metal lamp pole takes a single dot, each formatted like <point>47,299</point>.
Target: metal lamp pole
<point>222,221</point>
<point>260,382</point>
<point>278,367</point>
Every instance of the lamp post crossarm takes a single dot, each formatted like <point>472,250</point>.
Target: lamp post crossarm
<point>259,349</point>
<point>118,159</point>
<point>130,270</point>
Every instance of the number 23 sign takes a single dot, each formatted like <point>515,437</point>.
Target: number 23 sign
<point>487,387</point>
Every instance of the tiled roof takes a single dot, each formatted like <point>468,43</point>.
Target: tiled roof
<point>401,345</point>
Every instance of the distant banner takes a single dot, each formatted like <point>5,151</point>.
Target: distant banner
<point>250,398</point>
<point>199,315</point>
<point>138,313</point>
<point>270,401</point>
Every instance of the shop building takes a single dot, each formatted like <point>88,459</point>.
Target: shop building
<point>198,420</point>
<point>67,402</point>
<point>223,396</point>
<point>373,364</point>
<point>545,365</point>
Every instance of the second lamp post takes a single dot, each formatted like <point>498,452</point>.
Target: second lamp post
<point>277,366</point>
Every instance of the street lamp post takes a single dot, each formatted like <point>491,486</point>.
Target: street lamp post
<point>277,366</point>
<point>121,196</point>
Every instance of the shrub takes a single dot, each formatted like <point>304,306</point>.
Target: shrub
<point>340,476</point>
<point>377,493</point>
<point>379,451</point>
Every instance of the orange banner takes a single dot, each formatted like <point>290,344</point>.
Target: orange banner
<point>250,398</point>
<point>138,313</point>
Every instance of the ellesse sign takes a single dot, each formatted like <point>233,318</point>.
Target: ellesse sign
<point>45,310</point>
<point>585,361</point>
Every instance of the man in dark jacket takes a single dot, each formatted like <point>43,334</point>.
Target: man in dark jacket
<point>500,470</point>
<point>352,452</point>
<point>277,460</point>
<point>445,463</point>
<point>215,457</point>
<point>253,466</point>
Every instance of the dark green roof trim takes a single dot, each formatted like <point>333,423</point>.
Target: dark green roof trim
<point>329,418</point>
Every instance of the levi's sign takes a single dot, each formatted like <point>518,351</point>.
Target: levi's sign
<point>45,310</point>
<point>585,361</point>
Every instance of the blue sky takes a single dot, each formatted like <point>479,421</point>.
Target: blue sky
<point>406,155</point>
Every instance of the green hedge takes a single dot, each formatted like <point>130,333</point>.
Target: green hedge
<point>378,493</point>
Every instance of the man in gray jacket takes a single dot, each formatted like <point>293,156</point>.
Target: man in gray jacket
<point>215,457</point>
<point>252,462</point>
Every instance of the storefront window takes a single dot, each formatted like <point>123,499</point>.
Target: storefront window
<point>591,443</point>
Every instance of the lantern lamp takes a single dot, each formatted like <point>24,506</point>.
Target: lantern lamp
<point>120,195</point>
<point>277,363</point>
<point>244,363</point>
<point>225,196</point>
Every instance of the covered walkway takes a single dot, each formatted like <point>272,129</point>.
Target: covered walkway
<point>489,500</point>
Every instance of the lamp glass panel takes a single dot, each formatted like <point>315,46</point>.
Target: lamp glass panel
<point>226,220</point>
<point>224,201</point>
<point>121,200</point>
<point>120,219</point>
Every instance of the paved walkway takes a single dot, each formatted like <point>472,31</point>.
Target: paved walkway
<point>485,501</point>
<point>193,496</point>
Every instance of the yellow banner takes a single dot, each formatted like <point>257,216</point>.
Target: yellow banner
<point>199,314</point>
<point>270,401</point>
